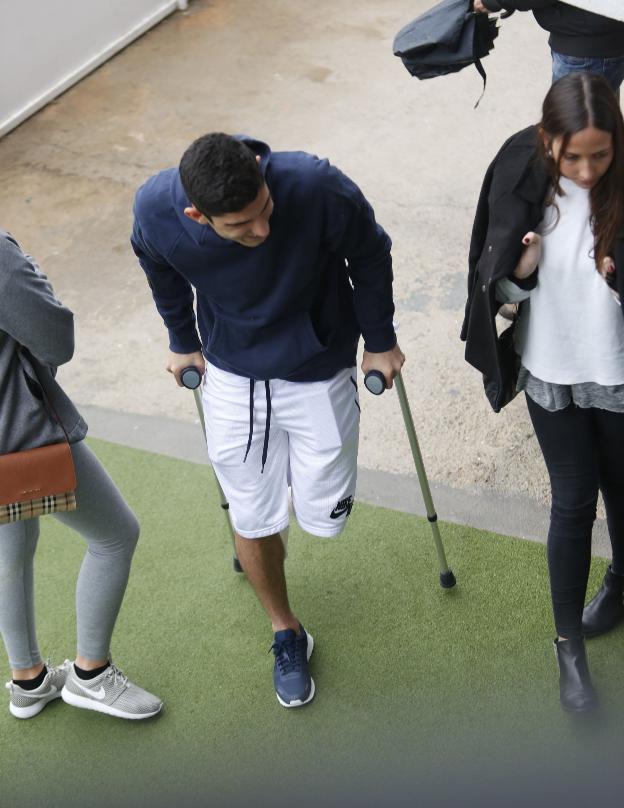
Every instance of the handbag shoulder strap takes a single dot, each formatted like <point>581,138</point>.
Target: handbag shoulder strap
<point>46,397</point>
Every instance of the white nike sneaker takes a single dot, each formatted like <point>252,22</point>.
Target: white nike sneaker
<point>28,703</point>
<point>110,692</point>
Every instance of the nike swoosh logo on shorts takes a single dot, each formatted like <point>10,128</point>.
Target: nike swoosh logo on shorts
<point>98,694</point>
<point>344,506</point>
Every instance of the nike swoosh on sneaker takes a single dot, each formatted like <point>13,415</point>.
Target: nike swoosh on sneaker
<point>98,694</point>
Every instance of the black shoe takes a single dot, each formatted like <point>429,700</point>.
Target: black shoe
<point>576,691</point>
<point>606,609</point>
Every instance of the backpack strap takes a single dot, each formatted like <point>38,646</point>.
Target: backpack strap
<point>484,34</point>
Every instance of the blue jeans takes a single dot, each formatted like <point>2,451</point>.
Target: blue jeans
<point>612,68</point>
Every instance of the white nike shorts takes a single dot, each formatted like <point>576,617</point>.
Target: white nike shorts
<point>308,435</point>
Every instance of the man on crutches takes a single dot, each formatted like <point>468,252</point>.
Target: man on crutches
<point>289,267</point>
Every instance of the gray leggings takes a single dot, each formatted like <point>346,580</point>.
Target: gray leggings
<point>111,531</point>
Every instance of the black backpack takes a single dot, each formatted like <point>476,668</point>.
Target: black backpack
<point>445,39</point>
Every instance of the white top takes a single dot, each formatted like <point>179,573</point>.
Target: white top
<point>573,330</point>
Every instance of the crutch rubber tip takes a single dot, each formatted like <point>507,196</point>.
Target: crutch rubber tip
<point>237,565</point>
<point>447,579</point>
<point>375,382</point>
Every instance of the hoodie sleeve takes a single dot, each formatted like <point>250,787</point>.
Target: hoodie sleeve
<point>29,309</point>
<point>366,247</point>
<point>173,295</point>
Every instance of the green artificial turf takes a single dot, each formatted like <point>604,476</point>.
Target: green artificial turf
<point>410,678</point>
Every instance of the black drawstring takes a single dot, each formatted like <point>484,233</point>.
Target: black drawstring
<point>267,426</point>
<point>252,384</point>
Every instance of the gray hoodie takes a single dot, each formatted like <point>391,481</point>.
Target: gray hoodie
<point>36,336</point>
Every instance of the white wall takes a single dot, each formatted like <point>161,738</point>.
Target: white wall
<point>48,45</point>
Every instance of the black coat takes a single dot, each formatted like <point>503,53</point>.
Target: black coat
<point>510,204</point>
<point>573,31</point>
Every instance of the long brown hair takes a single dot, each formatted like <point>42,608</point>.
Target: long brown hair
<point>576,102</point>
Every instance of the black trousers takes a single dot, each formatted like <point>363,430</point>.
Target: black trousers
<point>584,453</point>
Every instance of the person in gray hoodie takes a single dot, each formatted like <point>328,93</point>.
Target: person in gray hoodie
<point>37,335</point>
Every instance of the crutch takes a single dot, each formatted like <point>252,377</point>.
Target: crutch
<point>375,382</point>
<point>191,378</point>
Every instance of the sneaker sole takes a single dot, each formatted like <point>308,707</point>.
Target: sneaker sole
<point>298,702</point>
<point>34,709</point>
<point>89,704</point>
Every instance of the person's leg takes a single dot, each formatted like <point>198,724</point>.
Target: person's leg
<point>613,71</point>
<point>606,609</point>
<point>322,423</point>
<point>248,449</point>
<point>612,68</point>
<point>323,428</point>
<point>262,561</point>
<point>33,683</point>
<point>257,492</point>
<point>18,542</point>
<point>567,441</point>
<point>111,531</point>
<point>610,431</point>
<point>562,65</point>
<point>568,444</point>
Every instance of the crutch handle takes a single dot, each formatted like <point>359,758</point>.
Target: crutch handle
<point>191,377</point>
<point>375,382</point>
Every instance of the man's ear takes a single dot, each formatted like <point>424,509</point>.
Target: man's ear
<point>258,159</point>
<point>195,215</point>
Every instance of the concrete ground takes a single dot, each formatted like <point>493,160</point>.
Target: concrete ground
<point>319,77</point>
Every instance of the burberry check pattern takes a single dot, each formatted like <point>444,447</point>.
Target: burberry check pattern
<point>16,511</point>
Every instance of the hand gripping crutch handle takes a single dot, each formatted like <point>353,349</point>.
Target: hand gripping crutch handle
<point>191,378</point>
<point>375,382</point>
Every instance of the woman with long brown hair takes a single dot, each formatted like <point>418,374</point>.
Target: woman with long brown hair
<point>549,236</point>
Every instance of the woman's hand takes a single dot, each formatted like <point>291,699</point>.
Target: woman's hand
<point>479,8</point>
<point>607,270</point>
<point>530,257</point>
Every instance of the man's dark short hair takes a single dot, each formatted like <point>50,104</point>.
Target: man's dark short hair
<point>220,174</point>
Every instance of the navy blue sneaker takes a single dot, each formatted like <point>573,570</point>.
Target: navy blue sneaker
<point>294,686</point>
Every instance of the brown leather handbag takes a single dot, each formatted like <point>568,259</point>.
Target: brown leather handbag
<point>37,481</point>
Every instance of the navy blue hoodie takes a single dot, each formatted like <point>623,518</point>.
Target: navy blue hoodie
<point>292,308</point>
